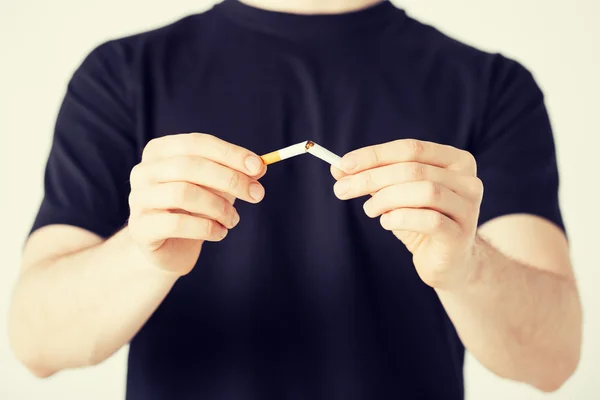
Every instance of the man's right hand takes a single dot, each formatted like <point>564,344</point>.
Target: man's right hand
<point>182,194</point>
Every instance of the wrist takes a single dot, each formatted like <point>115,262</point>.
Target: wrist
<point>141,262</point>
<point>467,272</point>
<point>474,264</point>
<point>476,261</point>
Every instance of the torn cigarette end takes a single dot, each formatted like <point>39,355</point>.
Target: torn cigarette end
<point>324,154</point>
<point>271,158</point>
<point>302,148</point>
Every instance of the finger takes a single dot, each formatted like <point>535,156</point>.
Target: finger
<point>407,150</point>
<point>337,173</point>
<point>226,196</point>
<point>187,197</point>
<point>156,227</point>
<point>373,180</point>
<point>202,172</point>
<point>427,222</point>
<point>424,194</point>
<point>140,177</point>
<point>262,173</point>
<point>205,146</point>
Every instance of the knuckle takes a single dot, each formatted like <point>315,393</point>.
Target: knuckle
<point>233,181</point>
<point>221,205</point>
<point>477,188</point>
<point>179,145</point>
<point>226,207</point>
<point>436,220</point>
<point>201,137</point>
<point>212,228</point>
<point>366,180</point>
<point>469,157</point>
<point>415,147</point>
<point>375,155</point>
<point>433,192</point>
<point>198,139</point>
<point>209,227</point>
<point>151,147</point>
<point>136,176</point>
<point>416,172</point>
<point>473,209</point>
<point>470,161</point>
<point>473,188</point>
<point>133,200</point>
<point>226,151</point>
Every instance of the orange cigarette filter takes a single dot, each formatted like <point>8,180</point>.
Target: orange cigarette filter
<point>287,152</point>
<point>271,158</point>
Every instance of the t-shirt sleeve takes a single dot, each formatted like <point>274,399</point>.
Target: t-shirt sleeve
<point>515,148</point>
<point>86,181</point>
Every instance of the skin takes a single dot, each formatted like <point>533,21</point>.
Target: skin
<point>80,298</point>
<point>312,6</point>
<point>508,286</point>
<point>514,304</point>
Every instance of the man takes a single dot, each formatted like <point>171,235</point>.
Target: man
<point>161,226</point>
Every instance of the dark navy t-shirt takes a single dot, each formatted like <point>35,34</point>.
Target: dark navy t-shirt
<point>307,298</point>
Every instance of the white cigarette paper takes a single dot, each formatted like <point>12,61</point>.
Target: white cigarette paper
<point>301,148</point>
<point>293,150</point>
<point>282,154</point>
<point>324,154</point>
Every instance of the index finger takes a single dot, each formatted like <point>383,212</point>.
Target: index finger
<point>404,150</point>
<point>205,146</point>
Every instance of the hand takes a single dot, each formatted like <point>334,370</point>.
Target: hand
<point>427,194</point>
<point>182,194</point>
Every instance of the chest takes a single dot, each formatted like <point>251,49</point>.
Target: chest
<point>301,248</point>
<point>341,97</point>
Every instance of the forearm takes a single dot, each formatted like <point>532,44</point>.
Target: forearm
<point>79,309</point>
<point>520,322</point>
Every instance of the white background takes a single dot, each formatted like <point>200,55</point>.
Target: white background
<point>42,42</point>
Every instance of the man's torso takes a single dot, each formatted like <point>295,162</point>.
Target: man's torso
<point>307,297</point>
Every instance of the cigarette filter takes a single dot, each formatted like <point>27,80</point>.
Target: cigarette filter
<point>323,154</point>
<point>282,154</point>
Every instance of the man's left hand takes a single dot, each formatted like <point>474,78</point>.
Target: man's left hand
<point>427,194</point>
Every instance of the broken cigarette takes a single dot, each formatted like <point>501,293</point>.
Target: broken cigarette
<point>324,154</point>
<point>287,152</point>
<point>301,148</point>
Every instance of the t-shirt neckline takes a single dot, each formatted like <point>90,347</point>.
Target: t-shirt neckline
<point>302,25</point>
